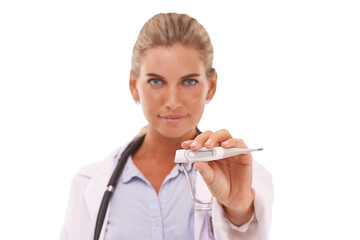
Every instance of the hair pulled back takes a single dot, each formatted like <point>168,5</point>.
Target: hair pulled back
<point>165,29</point>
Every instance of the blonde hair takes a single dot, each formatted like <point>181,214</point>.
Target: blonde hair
<point>165,29</point>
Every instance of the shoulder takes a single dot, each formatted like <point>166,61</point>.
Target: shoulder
<point>85,195</point>
<point>93,169</point>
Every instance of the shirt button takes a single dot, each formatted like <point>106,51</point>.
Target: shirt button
<point>157,222</point>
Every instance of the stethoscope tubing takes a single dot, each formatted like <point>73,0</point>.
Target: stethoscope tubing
<point>130,149</point>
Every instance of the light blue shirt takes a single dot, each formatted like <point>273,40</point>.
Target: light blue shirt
<point>138,212</point>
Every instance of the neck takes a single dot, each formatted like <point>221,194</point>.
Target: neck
<point>161,148</point>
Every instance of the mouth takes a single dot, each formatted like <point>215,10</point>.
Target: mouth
<point>172,118</point>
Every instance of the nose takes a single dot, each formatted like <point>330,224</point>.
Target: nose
<point>173,98</point>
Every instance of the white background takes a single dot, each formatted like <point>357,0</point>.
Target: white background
<point>288,73</point>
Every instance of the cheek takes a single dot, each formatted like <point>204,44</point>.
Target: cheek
<point>197,97</point>
<point>150,101</point>
<point>196,102</point>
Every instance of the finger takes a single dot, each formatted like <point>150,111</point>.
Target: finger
<point>217,138</point>
<point>234,143</point>
<point>186,144</point>
<point>199,141</point>
<point>205,171</point>
<point>237,143</point>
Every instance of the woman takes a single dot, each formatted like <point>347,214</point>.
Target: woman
<point>172,78</point>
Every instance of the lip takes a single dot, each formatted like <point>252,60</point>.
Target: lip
<point>172,118</point>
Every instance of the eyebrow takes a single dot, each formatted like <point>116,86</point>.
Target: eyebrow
<point>186,76</point>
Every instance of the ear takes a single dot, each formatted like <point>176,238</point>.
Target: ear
<point>212,87</point>
<point>132,85</point>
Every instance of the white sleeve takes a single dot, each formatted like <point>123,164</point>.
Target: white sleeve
<point>258,227</point>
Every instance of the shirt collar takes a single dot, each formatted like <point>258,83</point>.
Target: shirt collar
<point>188,166</point>
<point>178,169</point>
<point>131,171</point>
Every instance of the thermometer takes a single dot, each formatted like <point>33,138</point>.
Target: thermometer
<point>209,154</point>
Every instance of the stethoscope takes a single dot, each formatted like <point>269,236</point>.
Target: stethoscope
<point>130,150</point>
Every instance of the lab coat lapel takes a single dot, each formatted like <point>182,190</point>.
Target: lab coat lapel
<point>94,192</point>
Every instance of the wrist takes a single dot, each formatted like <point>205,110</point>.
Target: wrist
<point>242,212</point>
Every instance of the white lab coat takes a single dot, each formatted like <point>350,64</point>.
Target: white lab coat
<point>89,184</point>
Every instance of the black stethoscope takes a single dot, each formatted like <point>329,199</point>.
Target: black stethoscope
<point>130,150</point>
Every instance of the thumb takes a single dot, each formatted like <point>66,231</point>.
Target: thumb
<point>205,171</point>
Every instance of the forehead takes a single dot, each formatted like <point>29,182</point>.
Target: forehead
<point>176,58</point>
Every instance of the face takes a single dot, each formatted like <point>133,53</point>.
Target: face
<point>172,88</point>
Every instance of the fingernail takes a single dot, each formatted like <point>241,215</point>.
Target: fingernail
<point>208,142</point>
<point>194,143</point>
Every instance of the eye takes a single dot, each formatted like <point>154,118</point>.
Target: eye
<point>155,82</point>
<point>190,82</point>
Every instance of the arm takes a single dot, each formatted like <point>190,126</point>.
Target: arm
<point>230,181</point>
<point>258,227</point>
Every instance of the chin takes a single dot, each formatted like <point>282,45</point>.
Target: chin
<point>175,132</point>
